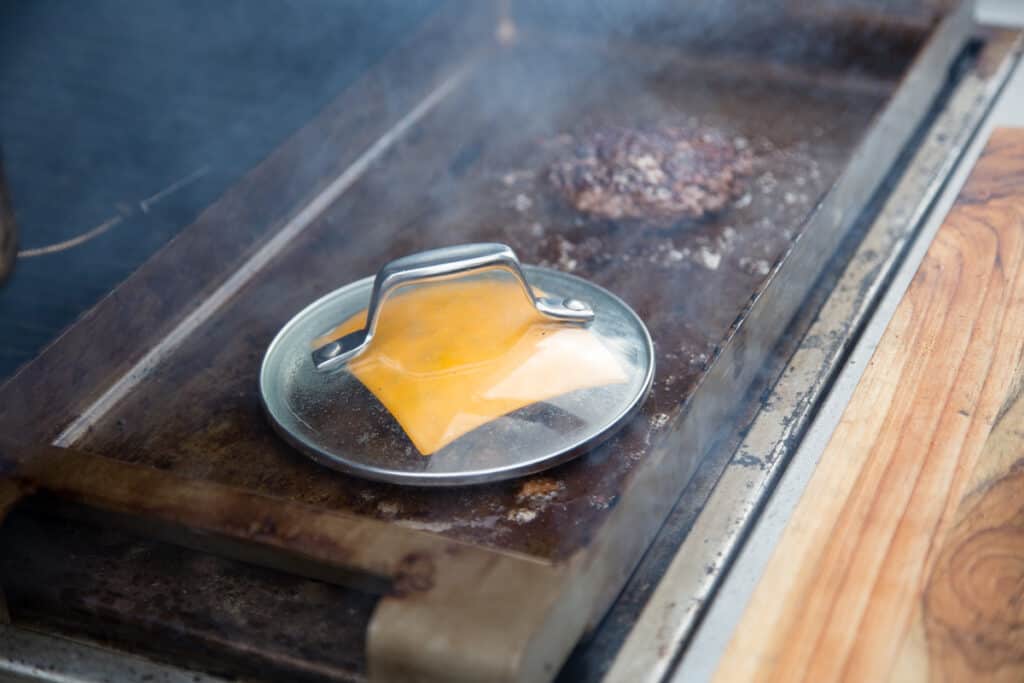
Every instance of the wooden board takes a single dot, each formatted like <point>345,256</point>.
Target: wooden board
<point>904,560</point>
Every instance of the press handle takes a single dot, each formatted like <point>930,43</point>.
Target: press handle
<point>442,264</point>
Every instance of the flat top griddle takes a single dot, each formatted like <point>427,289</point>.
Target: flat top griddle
<point>470,173</point>
<point>164,421</point>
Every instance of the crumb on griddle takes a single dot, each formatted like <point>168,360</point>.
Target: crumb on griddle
<point>660,175</point>
<point>539,489</point>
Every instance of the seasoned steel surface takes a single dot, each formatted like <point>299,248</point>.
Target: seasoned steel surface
<point>472,172</point>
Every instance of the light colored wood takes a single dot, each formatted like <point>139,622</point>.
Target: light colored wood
<point>906,484</point>
<point>8,230</point>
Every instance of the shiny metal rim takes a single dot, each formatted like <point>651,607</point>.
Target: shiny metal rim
<point>340,462</point>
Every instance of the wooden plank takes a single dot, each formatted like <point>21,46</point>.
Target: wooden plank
<point>441,596</point>
<point>904,559</point>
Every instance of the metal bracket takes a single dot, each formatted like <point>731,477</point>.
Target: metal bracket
<point>442,264</point>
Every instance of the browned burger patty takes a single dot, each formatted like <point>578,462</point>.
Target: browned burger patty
<point>660,174</point>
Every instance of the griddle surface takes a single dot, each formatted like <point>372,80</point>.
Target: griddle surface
<point>469,173</point>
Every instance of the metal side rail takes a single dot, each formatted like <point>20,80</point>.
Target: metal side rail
<point>28,656</point>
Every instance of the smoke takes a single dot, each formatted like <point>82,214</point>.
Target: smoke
<point>139,116</point>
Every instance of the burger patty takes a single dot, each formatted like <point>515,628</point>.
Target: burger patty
<point>660,174</point>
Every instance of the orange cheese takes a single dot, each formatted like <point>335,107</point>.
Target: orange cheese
<point>448,357</point>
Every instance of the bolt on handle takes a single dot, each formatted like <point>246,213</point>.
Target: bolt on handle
<point>442,264</point>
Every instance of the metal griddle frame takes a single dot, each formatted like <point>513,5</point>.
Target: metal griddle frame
<point>454,610</point>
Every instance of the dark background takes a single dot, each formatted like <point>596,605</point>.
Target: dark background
<point>107,103</point>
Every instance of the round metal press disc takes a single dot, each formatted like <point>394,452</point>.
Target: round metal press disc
<point>335,420</point>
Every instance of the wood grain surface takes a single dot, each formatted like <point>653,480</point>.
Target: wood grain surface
<point>904,560</point>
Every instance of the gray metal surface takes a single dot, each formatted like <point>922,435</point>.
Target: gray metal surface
<point>27,656</point>
<point>307,406</point>
<point>700,563</point>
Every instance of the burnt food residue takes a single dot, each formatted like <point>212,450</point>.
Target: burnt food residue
<point>659,174</point>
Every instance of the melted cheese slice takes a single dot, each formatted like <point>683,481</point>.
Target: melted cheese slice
<point>448,357</point>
